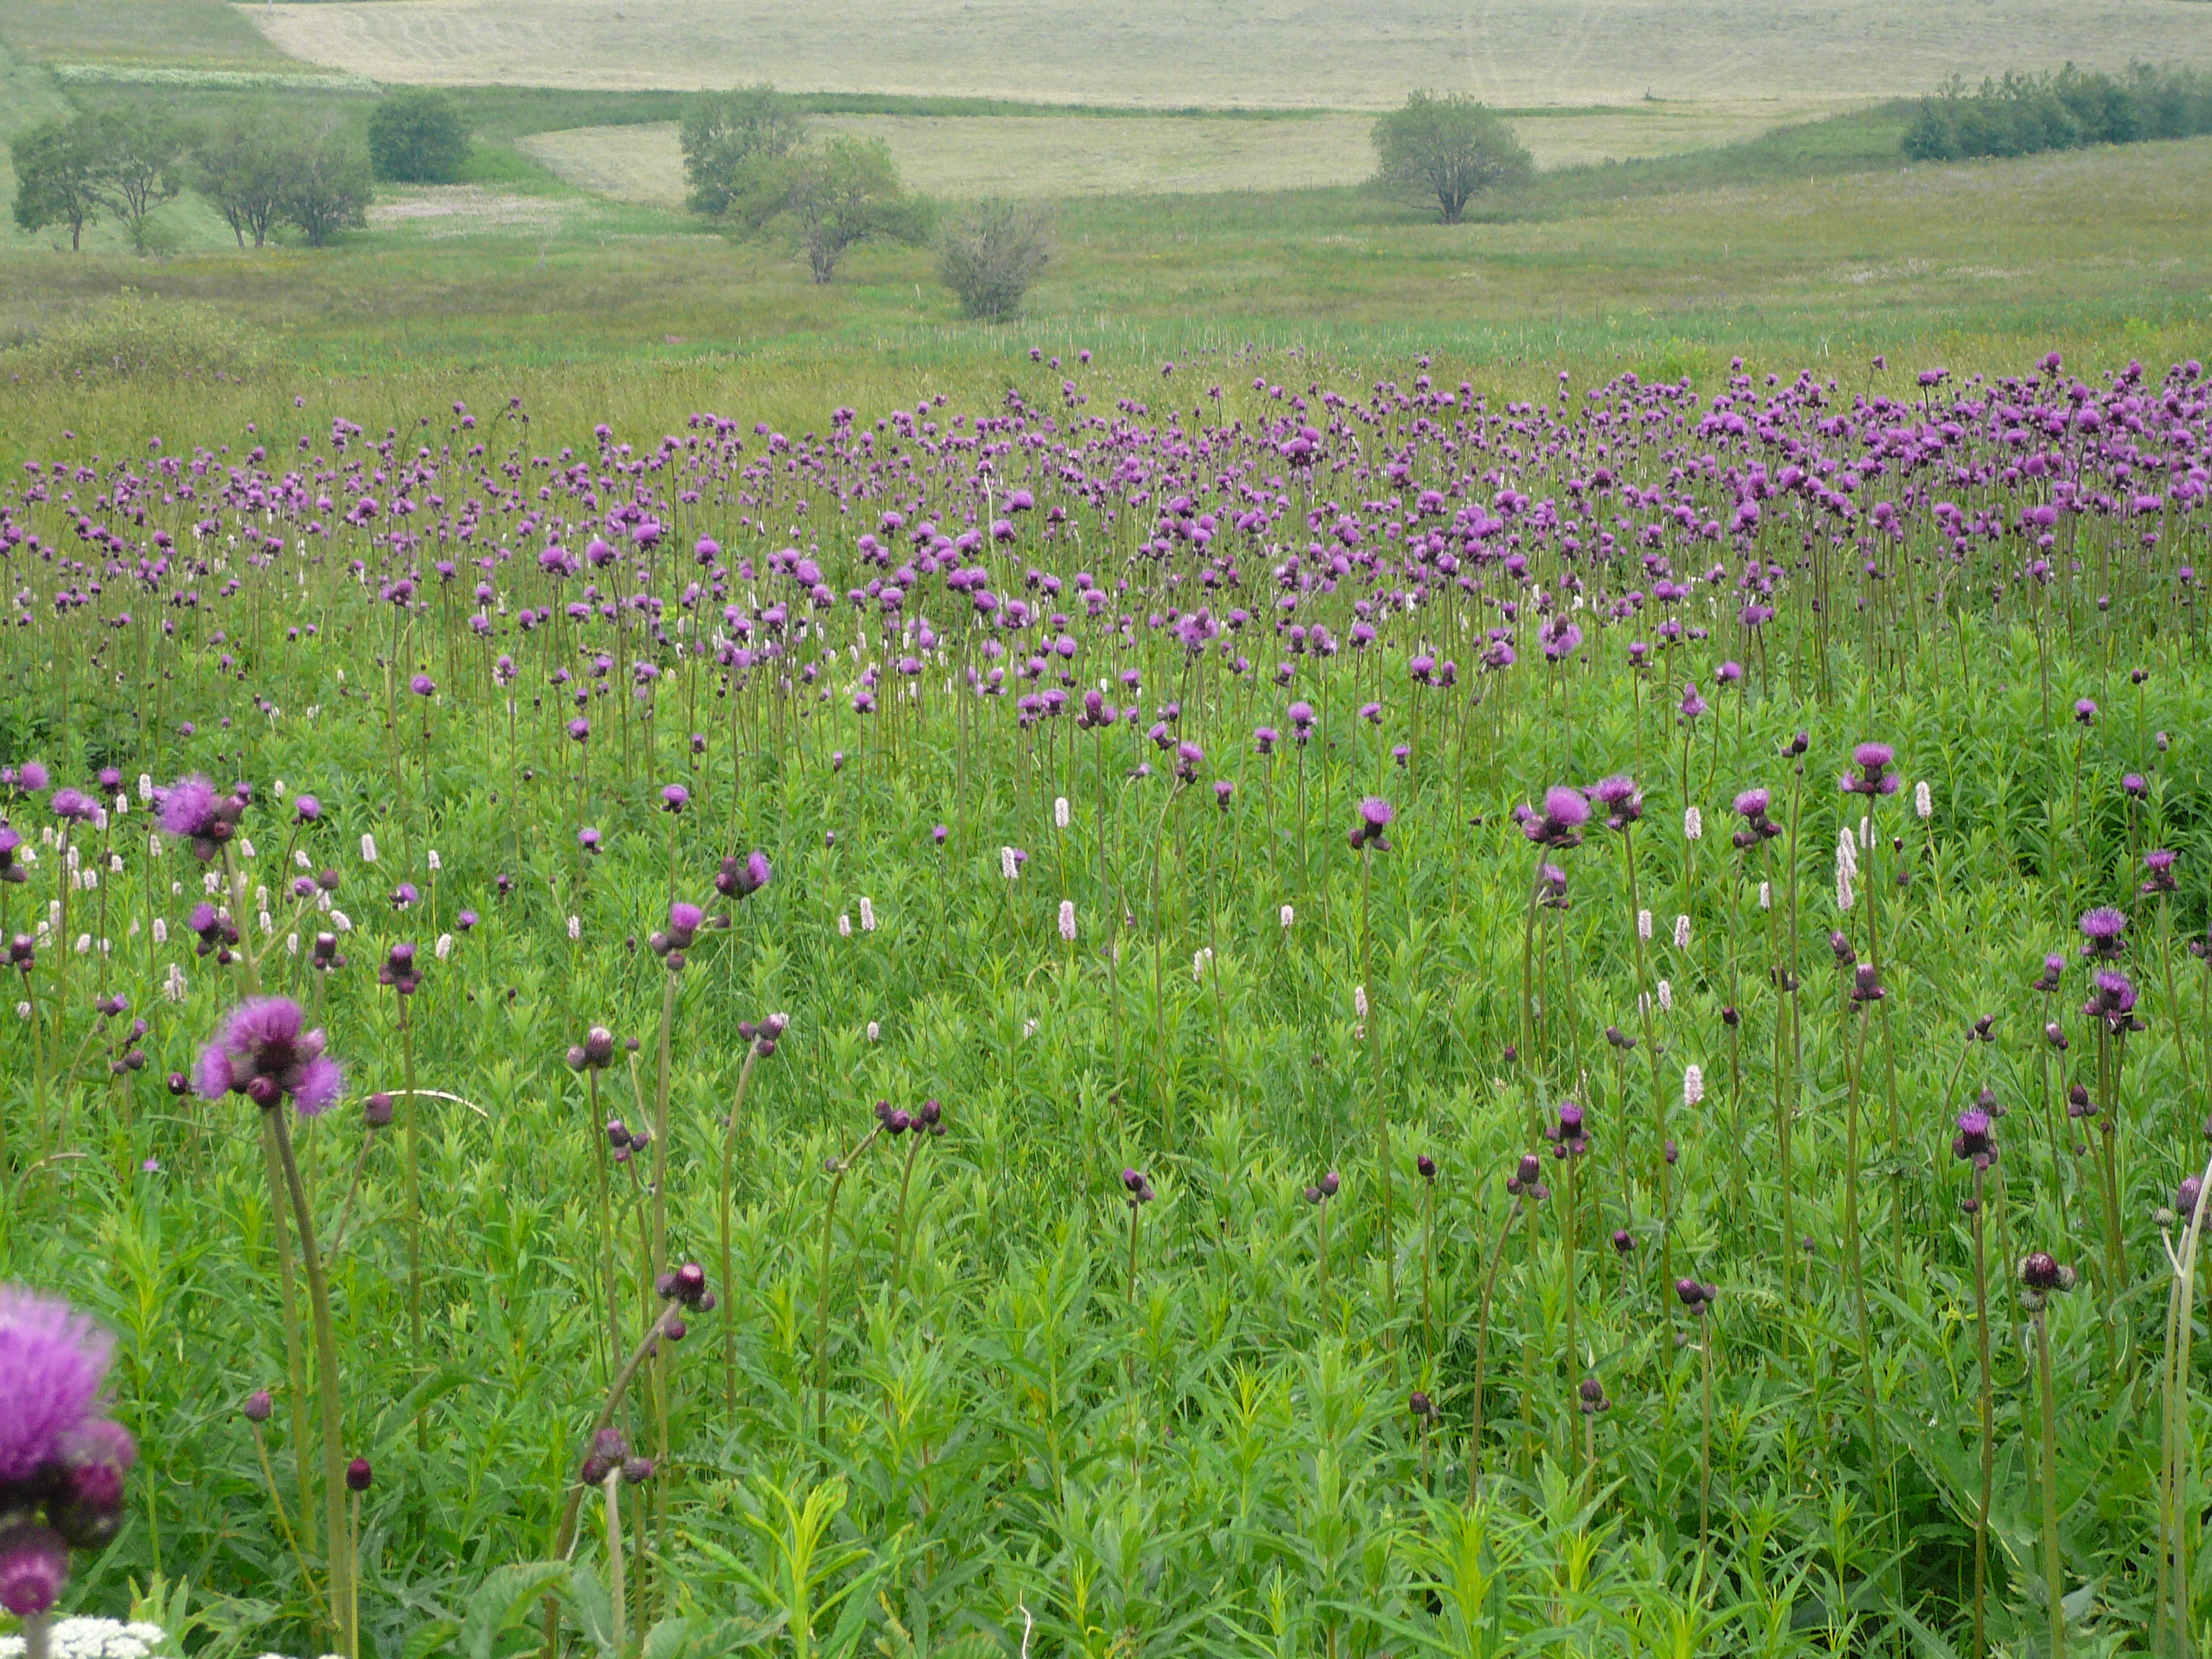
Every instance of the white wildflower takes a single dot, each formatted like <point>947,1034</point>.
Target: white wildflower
<point>1009,866</point>
<point>1067,919</point>
<point>22,1010</point>
<point>1923,803</point>
<point>875,1031</point>
<point>160,931</point>
<point>291,944</point>
<point>84,945</point>
<point>1694,1084</point>
<point>277,789</point>
<point>575,927</point>
<point>299,859</point>
<point>435,862</point>
<point>1643,924</point>
<point>445,946</point>
<point>341,922</point>
<point>1059,812</point>
<point>1666,998</point>
<point>844,927</point>
<point>867,915</point>
<point>1201,960</point>
<point>1360,1001</point>
<point>1028,1028</point>
<point>1288,917</point>
<point>268,923</point>
<point>369,849</point>
<point>1847,854</point>
<point>245,848</point>
<point>1693,824</point>
<point>1681,933</point>
<point>1844,897</point>
<point>1766,895</point>
<point>145,786</point>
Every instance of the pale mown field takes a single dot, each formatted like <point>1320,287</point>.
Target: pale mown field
<point>1051,156</point>
<point>1350,54</point>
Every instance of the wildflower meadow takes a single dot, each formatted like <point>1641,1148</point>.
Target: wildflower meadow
<point>1166,1014</point>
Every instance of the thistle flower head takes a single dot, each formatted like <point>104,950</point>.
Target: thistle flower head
<point>1375,816</point>
<point>1560,823</point>
<point>191,811</point>
<point>1874,776</point>
<point>54,1360</point>
<point>1975,1140</point>
<point>1622,801</point>
<point>2102,932</point>
<point>262,1052</point>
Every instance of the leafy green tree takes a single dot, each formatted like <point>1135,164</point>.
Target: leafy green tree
<point>58,175</point>
<point>831,196</point>
<point>991,254</point>
<point>1449,148</point>
<point>140,148</point>
<point>243,166</point>
<point>418,137</point>
<point>728,141</point>
<point>327,190</point>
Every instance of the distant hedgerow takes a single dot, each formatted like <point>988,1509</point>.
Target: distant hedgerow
<point>2028,114</point>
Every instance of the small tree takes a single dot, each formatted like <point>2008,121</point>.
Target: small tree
<point>418,137</point>
<point>727,140</point>
<point>991,254</point>
<point>244,167</point>
<point>1450,148</point>
<point>832,197</point>
<point>139,148</point>
<point>327,190</point>
<point>58,175</point>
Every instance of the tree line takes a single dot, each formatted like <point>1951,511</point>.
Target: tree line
<point>2026,114</point>
<point>259,166</point>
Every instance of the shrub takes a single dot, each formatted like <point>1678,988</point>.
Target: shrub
<point>991,254</point>
<point>1450,148</point>
<point>417,136</point>
<point>134,334</point>
<point>2026,114</point>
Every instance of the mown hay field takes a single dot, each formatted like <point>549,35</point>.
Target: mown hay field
<point>1308,53</point>
<point>1053,156</point>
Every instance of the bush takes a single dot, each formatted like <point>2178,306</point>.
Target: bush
<point>1450,149</point>
<point>991,254</point>
<point>417,136</point>
<point>2026,114</point>
<point>134,336</point>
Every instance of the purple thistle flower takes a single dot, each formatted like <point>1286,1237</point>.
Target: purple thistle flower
<point>741,878</point>
<point>1622,800</point>
<point>33,1567</point>
<point>2101,931</point>
<point>34,776</point>
<point>1565,812</point>
<point>1375,816</point>
<point>421,686</point>
<point>262,1052</point>
<point>53,1359</point>
<point>306,809</point>
<point>190,810</point>
<point>73,806</point>
<point>2159,863</point>
<point>675,798</point>
<point>1874,777</point>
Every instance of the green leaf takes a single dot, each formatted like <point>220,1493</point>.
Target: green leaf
<point>502,1602</point>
